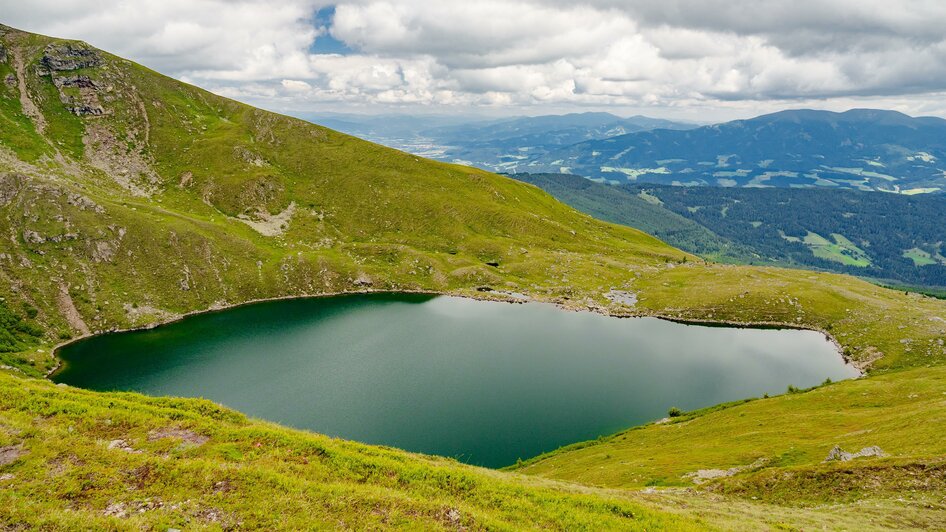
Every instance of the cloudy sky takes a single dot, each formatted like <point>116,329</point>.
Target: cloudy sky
<point>699,60</point>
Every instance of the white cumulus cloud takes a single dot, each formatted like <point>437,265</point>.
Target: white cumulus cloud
<point>728,57</point>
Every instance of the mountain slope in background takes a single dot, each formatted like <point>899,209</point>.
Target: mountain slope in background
<point>494,144</point>
<point>887,237</point>
<point>622,206</point>
<point>860,149</point>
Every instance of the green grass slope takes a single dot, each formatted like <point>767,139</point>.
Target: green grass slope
<point>644,212</point>
<point>86,460</point>
<point>128,199</point>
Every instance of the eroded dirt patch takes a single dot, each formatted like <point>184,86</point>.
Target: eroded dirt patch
<point>186,436</point>
<point>10,454</point>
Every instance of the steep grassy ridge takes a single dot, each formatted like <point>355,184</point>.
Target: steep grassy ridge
<point>127,198</point>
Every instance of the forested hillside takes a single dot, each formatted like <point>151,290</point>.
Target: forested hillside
<point>888,237</point>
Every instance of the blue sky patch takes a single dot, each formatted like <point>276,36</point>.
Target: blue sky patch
<point>326,44</point>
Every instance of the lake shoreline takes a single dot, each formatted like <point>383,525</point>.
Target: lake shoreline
<point>404,369</point>
<point>490,295</point>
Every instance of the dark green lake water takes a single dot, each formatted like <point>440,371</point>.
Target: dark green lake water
<point>480,381</point>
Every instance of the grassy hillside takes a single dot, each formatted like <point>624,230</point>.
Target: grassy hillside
<point>86,460</point>
<point>128,198</point>
<point>646,212</point>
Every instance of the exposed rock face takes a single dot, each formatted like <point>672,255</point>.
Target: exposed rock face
<point>75,81</point>
<point>65,57</point>
<point>86,102</point>
<point>87,110</point>
<point>3,53</point>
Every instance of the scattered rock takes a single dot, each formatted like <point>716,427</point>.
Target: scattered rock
<point>515,295</point>
<point>248,156</point>
<point>186,436</point>
<point>451,516</point>
<point>9,80</point>
<point>7,476</point>
<point>121,445</point>
<point>622,297</point>
<point>210,514</point>
<point>104,251</point>
<point>116,509</point>
<point>838,454</point>
<point>186,179</point>
<point>867,357</point>
<point>10,454</point>
<point>32,237</point>
<point>704,475</point>
<point>363,280</point>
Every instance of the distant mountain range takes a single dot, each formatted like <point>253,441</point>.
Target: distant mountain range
<point>862,149</point>
<point>501,145</point>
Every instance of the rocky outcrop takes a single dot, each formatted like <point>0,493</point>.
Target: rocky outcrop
<point>79,95</point>
<point>70,56</point>
<point>84,82</point>
<point>9,187</point>
<point>836,454</point>
<point>32,237</point>
<point>83,203</point>
<point>87,110</point>
<point>3,54</point>
<point>363,280</point>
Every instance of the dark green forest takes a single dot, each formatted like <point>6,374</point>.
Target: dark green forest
<point>894,238</point>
